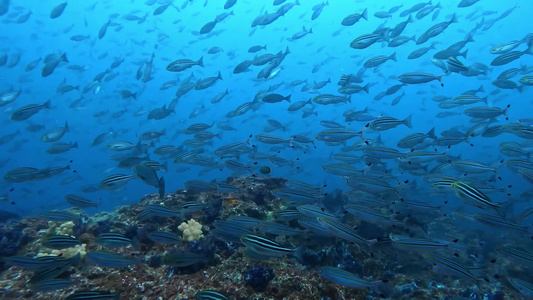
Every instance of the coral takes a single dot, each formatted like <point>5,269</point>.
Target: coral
<point>66,228</point>
<point>192,230</point>
<point>66,253</point>
<point>258,277</point>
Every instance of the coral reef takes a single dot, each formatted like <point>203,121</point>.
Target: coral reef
<point>227,267</point>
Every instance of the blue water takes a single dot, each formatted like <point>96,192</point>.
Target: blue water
<point>173,35</point>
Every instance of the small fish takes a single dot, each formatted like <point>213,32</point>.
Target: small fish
<point>209,295</point>
<point>183,64</point>
<point>113,240</point>
<point>59,216</point>
<point>55,134</point>
<point>146,174</point>
<point>80,202</point>
<point>93,295</point>
<point>28,111</point>
<point>183,259</point>
<point>266,247</point>
<point>386,123</point>
<point>51,285</point>
<point>417,78</point>
<point>58,10</point>
<point>110,259</point>
<point>115,181</point>
<point>160,211</point>
<point>60,242</point>
<point>447,266</point>
<point>347,279</point>
<point>165,237</point>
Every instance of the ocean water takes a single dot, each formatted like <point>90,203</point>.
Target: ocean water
<point>135,33</point>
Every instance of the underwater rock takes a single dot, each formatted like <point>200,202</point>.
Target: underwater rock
<point>258,277</point>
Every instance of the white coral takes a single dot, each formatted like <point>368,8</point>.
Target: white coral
<point>192,230</point>
<point>65,253</point>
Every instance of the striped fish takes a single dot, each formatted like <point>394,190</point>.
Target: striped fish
<point>349,280</point>
<point>525,287</point>
<point>245,221</point>
<point>232,148</point>
<point>59,216</point>
<point>477,198</point>
<point>417,244</point>
<point>472,167</point>
<point>288,215</point>
<point>30,263</point>
<point>201,186</point>
<point>369,215</point>
<point>165,237</point>
<point>266,247</point>
<point>160,211</point>
<point>229,231</point>
<point>80,202</point>
<point>51,285</point>
<point>115,181</point>
<point>342,231</point>
<point>209,295</point>
<point>59,242</point>
<point>110,259</point>
<point>313,212</point>
<point>315,227</point>
<point>271,139</point>
<point>386,123</point>
<point>278,229</point>
<point>112,240</point>
<point>93,295</point>
<point>370,185</point>
<point>343,170</point>
<point>52,272</point>
<point>499,222</point>
<point>518,255</point>
<point>336,135</point>
<point>192,206</point>
<point>449,267</point>
<point>295,195</point>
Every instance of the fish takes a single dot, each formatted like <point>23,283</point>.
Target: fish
<point>418,78</point>
<point>113,182</point>
<point>58,10</point>
<point>28,111</point>
<point>164,237</point>
<point>93,295</point>
<point>110,259</point>
<point>447,266</point>
<point>256,48</point>
<point>209,295</point>
<point>50,67</point>
<point>113,240</point>
<point>60,242</point>
<point>182,259</point>
<point>386,123</point>
<point>350,20</point>
<point>51,285</point>
<point>55,134</point>
<point>349,280</point>
<point>435,30</point>
<point>265,247</point>
<point>80,202</point>
<point>184,64</point>
<point>342,231</point>
<point>275,98</point>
